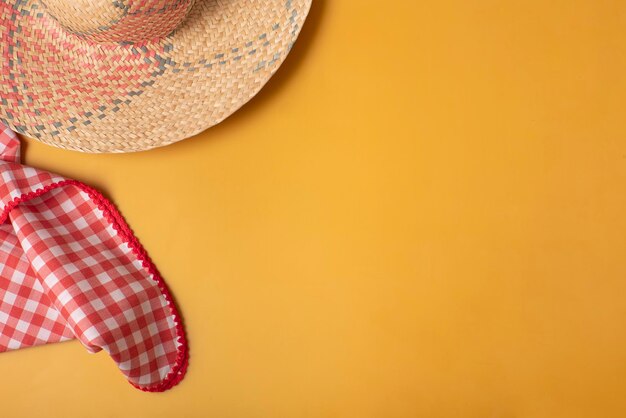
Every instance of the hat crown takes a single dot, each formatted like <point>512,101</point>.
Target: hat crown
<point>131,21</point>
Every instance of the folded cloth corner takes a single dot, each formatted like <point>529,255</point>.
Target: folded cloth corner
<point>71,268</point>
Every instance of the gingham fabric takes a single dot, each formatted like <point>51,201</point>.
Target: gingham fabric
<point>71,268</point>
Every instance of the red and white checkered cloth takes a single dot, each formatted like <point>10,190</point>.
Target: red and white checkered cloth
<point>71,268</point>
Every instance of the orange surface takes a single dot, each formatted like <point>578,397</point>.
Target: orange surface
<point>422,215</point>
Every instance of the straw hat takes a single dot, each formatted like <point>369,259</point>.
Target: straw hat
<point>130,75</point>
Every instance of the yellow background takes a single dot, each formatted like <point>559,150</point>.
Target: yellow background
<point>421,215</point>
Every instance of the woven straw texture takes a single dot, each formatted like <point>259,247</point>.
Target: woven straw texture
<point>123,76</point>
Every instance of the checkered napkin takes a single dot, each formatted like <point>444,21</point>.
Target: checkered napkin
<point>71,268</point>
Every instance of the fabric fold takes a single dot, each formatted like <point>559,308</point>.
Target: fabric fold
<point>70,267</point>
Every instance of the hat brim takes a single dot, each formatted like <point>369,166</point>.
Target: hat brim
<point>71,93</point>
